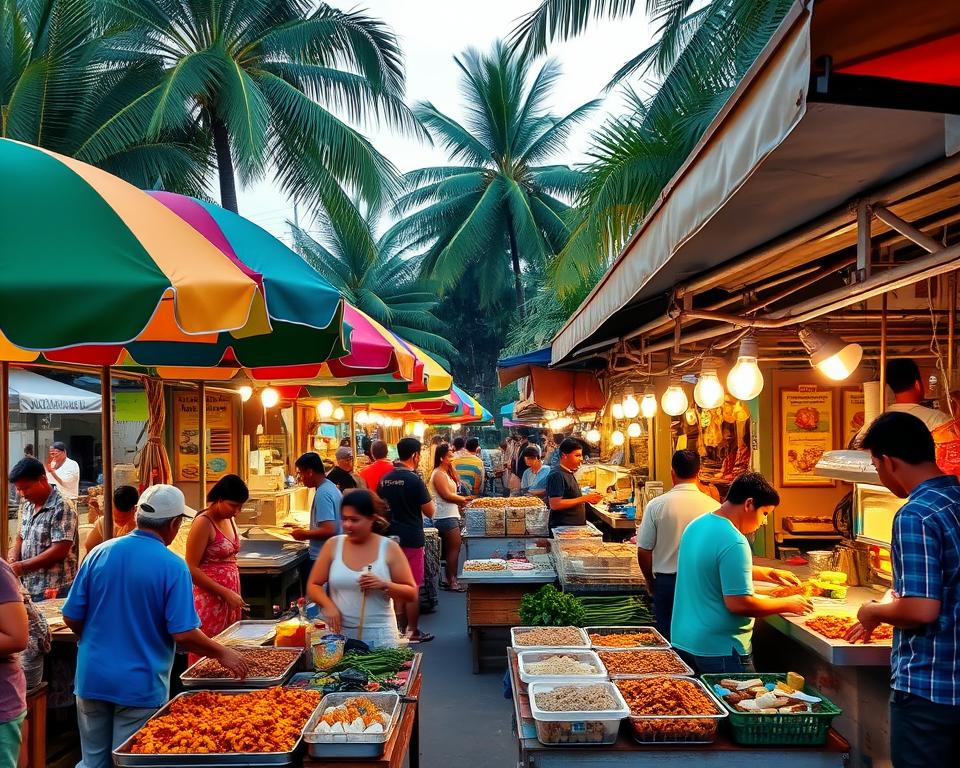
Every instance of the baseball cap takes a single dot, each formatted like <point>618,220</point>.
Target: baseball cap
<point>59,446</point>
<point>344,452</point>
<point>163,502</point>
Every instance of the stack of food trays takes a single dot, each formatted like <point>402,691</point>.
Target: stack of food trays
<point>262,727</point>
<point>267,667</point>
<point>576,532</point>
<point>593,560</point>
<point>352,725</point>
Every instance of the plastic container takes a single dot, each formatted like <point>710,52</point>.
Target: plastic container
<point>569,728</point>
<point>793,729</point>
<point>677,666</point>
<point>537,521</point>
<point>584,657</point>
<point>574,532</point>
<point>326,745</point>
<point>679,729</point>
<point>657,640</point>
<point>325,649</point>
<point>515,632</point>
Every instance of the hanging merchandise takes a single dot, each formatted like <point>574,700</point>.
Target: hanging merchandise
<point>648,406</point>
<point>674,401</point>
<point>708,392</point>
<point>745,381</point>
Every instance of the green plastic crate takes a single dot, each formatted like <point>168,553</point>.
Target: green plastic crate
<point>800,729</point>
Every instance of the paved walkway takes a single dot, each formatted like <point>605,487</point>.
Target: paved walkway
<point>464,719</point>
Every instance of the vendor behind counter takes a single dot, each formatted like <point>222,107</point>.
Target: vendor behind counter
<point>568,504</point>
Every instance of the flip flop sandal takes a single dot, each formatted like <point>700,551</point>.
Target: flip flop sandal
<point>422,637</point>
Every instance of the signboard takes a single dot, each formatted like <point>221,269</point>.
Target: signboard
<point>851,414</point>
<point>130,406</point>
<point>806,433</point>
<point>221,429</point>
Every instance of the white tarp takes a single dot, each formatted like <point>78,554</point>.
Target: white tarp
<point>32,393</point>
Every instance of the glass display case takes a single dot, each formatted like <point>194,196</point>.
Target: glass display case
<point>873,510</point>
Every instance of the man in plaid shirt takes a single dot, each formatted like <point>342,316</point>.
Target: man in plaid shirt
<point>925,610</point>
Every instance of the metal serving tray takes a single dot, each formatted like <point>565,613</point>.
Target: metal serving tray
<point>248,633</point>
<point>351,744</point>
<point>123,757</point>
<point>250,682</point>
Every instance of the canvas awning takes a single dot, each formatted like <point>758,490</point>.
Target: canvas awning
<point>552,389</point>
<point>793,142</point>
<point>32,393</point>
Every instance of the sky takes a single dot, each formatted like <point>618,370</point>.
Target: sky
<point>431,33</point>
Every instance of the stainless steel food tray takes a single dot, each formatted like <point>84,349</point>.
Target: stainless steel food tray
<point>248,633</point>
<point>250,682</point>
<point>123,757</point>
<point>351,744</point>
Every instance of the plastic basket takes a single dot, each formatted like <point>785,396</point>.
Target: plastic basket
<point>800,729</point>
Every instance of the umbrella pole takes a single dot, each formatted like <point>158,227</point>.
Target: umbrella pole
<point>4,455</point>
<point>353,433</point>
<point>202,495</point>
<point>106,449</point>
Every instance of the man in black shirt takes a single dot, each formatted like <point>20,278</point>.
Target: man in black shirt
<point>568,506</point>
<point>409,500</point>
<point>342,475</point>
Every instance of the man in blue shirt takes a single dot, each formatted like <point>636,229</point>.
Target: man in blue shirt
<point>130,605</point>
<point>714,606</point>
<point>325,511</point>
<point>925,609</point>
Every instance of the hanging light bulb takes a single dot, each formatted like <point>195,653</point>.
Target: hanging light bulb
<point>269,397</point>
<point>245,392</point>
<point>419,429</point>
<point>408,430</point>
<point>593,435</point>
<point>631,408</point>
<point>830,354</point>
<point>362,417</point>
<point>339,413</point>
<point>325,409</point>
<point>617,438</point>
<point>674,400</point>
<point>690,416</point>
<point>633,429</point>
<point>745,381</point>
<point>708,392</point>
<point>648,406</point>
<point>616,410</point>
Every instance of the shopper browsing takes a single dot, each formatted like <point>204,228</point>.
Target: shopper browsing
<point>925,609</point>
<point>568,505</point>
<point>343,475</point>
<point>62,471</point>
<point>534,480</point>
<point>362,562</point>
<point>373,474</point>
<point>127,636</point>
<point>409,501</point>
<point>124,512</point>
<point>665,518</point>
<point>469,466</point>
<point>325,509</point>
<point>715,606</point>
<point>14,636</point>
<point>443,489</point>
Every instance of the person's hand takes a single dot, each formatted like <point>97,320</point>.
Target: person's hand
<point>784,578</point>
<point>862,631</point>
<point>17,567</point>
<point>300,534</point>
<point>798,604</point>
<point>468,499</point>
<point>234,600</point>
<point>49,465</point>
<point>593,497</point>
<point>371,583</point>
<point>233,661</point>
<point>334,620</point>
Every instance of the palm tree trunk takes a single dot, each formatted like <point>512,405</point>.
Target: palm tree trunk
<point>228,184</point>
<point>515,259</point>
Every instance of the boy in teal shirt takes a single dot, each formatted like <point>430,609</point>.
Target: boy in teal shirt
<point>715,606</point>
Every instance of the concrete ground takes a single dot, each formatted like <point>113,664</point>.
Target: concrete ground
<point>464,719</point>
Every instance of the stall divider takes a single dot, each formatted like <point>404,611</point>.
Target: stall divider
<point>106,450</point>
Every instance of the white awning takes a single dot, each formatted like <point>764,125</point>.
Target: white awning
<point>32,393</point>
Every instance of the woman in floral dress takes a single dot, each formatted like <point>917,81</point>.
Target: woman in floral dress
<point>212,548</point>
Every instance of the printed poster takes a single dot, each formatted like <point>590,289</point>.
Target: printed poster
<point>221,458</point>
<point>806,433</point>
<point>851,411</point>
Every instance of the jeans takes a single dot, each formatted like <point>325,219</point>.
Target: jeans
<point>104,727</point>
<point>10,733</point>
<point>922,733</point>
<point>715,665</point>
<point>664,588</point>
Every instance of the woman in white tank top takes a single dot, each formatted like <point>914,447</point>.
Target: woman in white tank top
<point>443,487</point>
<point>362,562</point>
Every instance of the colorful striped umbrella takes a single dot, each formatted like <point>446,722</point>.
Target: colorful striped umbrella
<point>90,259</point>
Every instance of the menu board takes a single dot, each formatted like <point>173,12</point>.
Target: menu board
<point>852,413</point>
<point>806,433</point>
<point>221,429</point>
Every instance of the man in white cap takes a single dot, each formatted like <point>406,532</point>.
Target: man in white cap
<point>131,604</point>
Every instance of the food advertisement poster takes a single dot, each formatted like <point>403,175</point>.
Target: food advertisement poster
<point>806,432</point>
<point>851,412</point>
<point>221,457</point>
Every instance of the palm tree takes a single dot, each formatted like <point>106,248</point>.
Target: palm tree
<point>57,91</point>
<point>381,284</point>
<point>505,204</point>
<point>262,79</point>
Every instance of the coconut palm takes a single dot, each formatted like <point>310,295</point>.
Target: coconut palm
<point>381,284</point>
<point>57,91</point>
<point>505,204</point>
<point>262,79</point>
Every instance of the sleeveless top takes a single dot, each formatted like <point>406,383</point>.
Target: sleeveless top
<point>219,562</point>
<point>445,509</point>
<point>379,619</point>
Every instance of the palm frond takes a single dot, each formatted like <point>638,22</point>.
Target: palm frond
<point>563,19</point>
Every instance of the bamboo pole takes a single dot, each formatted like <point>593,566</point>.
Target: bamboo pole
<point>106,449</point>
<point>883,353</point>
<point>202,427</point>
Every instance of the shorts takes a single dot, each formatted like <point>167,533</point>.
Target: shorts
<point>445,524</point>
<point>416,560</point>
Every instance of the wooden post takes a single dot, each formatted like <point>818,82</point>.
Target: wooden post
<point>202,427</point>
<point>106,449</point>
<point>5,456</point>
<point>883,353</point>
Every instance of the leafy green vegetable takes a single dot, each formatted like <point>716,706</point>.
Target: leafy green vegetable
<point>549,607</point>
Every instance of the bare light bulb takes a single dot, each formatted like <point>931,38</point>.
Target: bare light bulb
<point>617,438</point>
<point>708,392</point>
<point>325,409</point>
<point>633,429</point>
<point>648,406</point>
<point>593,436</point>
<point>631,408</point>
<point>616,410</point>
<point>674,400</point>
<point>830,354</point>
<point>362,417</point>
<point>269,397</point>
<point>245,392</point>
<point>745,381</point>
<point>339,413</point>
